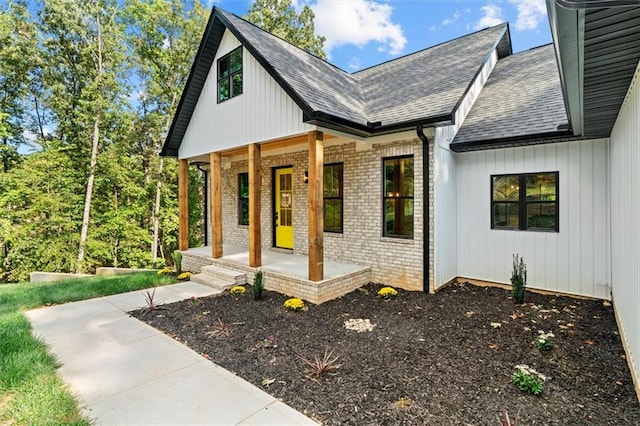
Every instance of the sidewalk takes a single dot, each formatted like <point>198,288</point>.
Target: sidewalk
<point>126,372</point>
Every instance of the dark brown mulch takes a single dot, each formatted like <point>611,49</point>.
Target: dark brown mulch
<point>431,359</point>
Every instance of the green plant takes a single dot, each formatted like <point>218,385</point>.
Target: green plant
<point>294,304</point>
<point>387,293</point>
<point>238,290</point>
<point>317,367</point>
<point>165,271</point>
<point>518,279</point>
<point>544,342</point>
<point>504,419</point>
<point>258,286</point>
<point>177,261</point>
<point>403,402</point>
<point>528,380</point>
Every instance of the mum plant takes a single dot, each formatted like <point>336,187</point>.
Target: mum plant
<point>528,380</point>
<point>294,304</point>
<point>238,290</point>
<point>544,342</point>
<point>387,293</point>
<point>184,276</point>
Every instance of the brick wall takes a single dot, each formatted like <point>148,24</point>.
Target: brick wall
<point>396,262</point>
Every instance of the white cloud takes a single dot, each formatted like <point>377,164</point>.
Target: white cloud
<point>354,64</point>
<point>357,22</point>
<point>530,13</point>
<point>492,16</point>
<point>454,18</point>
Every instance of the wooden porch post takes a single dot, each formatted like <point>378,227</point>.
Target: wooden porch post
<point>183,205</point>
<point>255,241</point>
<point>315,211</point>
<point>216,204</point>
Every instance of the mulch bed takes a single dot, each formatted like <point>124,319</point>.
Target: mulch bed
<point>430,359</point>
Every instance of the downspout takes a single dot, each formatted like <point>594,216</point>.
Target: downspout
<point>206,203</point>
<point>426,256</point>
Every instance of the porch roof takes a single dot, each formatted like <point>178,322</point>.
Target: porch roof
<point>425,87</point>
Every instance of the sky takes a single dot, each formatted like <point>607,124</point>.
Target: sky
<point>363,33</point>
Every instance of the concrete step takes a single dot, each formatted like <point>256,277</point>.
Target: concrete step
<point>211,281</point>
<point>225,275</point>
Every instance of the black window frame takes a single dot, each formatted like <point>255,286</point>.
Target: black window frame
<point>340,198</point>
<point>523,203</point>
<point>242,200</point>
<point>229,77</point>
<point>385,197</point>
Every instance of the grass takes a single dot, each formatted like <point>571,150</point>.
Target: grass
<point>30,391</point>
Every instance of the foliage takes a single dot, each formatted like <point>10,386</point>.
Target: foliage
<point>269,342</point>
<point>258,286</point>
<point>177,261</point>
<point>30,390</point>
<point>518,279</point>
<point>294,304</point>
<point>238,290</point>
<point>220,329</point>
<point>505,420</point>
<point>320,366</point>
<point>184,276</point>
<point>387,293</point>
<point>279,18</point>
<point>165,271</point>
<point>403,402</point>
<point>528,380</point>
<point>545,341</point>
<point>151,303</point>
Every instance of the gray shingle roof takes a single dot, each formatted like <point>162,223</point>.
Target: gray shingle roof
<point>423,87</point>
<point>521,99</point>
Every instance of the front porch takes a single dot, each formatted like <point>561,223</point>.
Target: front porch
<point>283,272</point>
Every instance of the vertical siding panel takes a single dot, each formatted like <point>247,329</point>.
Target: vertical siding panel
<point>562,165</point>
<point>586,225</point>
<point>624,219</point>
<point>600,220</point>
<point>573,224</point>
<point>220,126</point>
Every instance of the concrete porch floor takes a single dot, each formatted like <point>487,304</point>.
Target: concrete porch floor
<point>284,272</point>
<point>284,263</point>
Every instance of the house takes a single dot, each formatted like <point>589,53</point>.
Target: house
<point>434,167</point>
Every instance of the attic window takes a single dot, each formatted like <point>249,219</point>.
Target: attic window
<point>230,75</point>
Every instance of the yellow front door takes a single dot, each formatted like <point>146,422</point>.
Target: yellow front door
<point>284,208</point>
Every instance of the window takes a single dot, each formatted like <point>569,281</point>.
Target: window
<point>525,201</point>
<point>243,199</point>
<point>333,197</point>
<point>397,199</point>
<point>230,75</point>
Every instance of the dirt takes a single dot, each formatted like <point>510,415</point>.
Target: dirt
<point>422,359</point>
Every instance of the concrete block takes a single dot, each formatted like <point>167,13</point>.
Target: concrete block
<point>47,277</point>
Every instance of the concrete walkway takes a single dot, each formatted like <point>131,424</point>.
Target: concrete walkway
<point>125,372</point>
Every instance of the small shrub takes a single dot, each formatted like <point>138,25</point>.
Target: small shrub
<point>518,279</point>
<point>184,276</point>
<point>177,261</point>
<point>544,342</point>
<point>504,419</point>
<point>220,329</point>
<point>258,286</point>
<point>528,380</point>
<point>238,290</point>
<point>403,402</point>
<point>151,304</point>
<point>294,304</point>
<point>387,293</point>
<point>320,366</point>
<point>165,271</point>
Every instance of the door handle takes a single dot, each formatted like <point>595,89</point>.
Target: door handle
<point>276,218</point>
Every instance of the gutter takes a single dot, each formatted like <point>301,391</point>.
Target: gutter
<point>426,231</point>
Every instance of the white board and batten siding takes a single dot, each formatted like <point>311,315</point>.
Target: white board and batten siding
<point>445,251</point>
<point>262,112</point>
<point>625,220</point>
<point>574,260</point>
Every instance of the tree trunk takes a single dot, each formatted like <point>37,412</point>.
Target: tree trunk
<point>156,214</point>
<point>92,167</point>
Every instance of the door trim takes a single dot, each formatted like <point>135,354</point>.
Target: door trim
<point>273,204</point>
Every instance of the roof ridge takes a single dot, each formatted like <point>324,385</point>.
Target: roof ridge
<point>429,48</point>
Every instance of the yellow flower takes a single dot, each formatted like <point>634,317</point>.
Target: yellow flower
<point>165,271</point>
<point>238,290</point>
<point>294,304</point>
<point>387,292</point>
<point>184,276</point>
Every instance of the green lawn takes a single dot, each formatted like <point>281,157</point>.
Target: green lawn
<point>30,391</point>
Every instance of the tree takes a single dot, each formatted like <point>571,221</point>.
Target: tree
<point>83,40</point>
<point>17,59</point>
<point>280,18</point>
<point>163,35</point>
